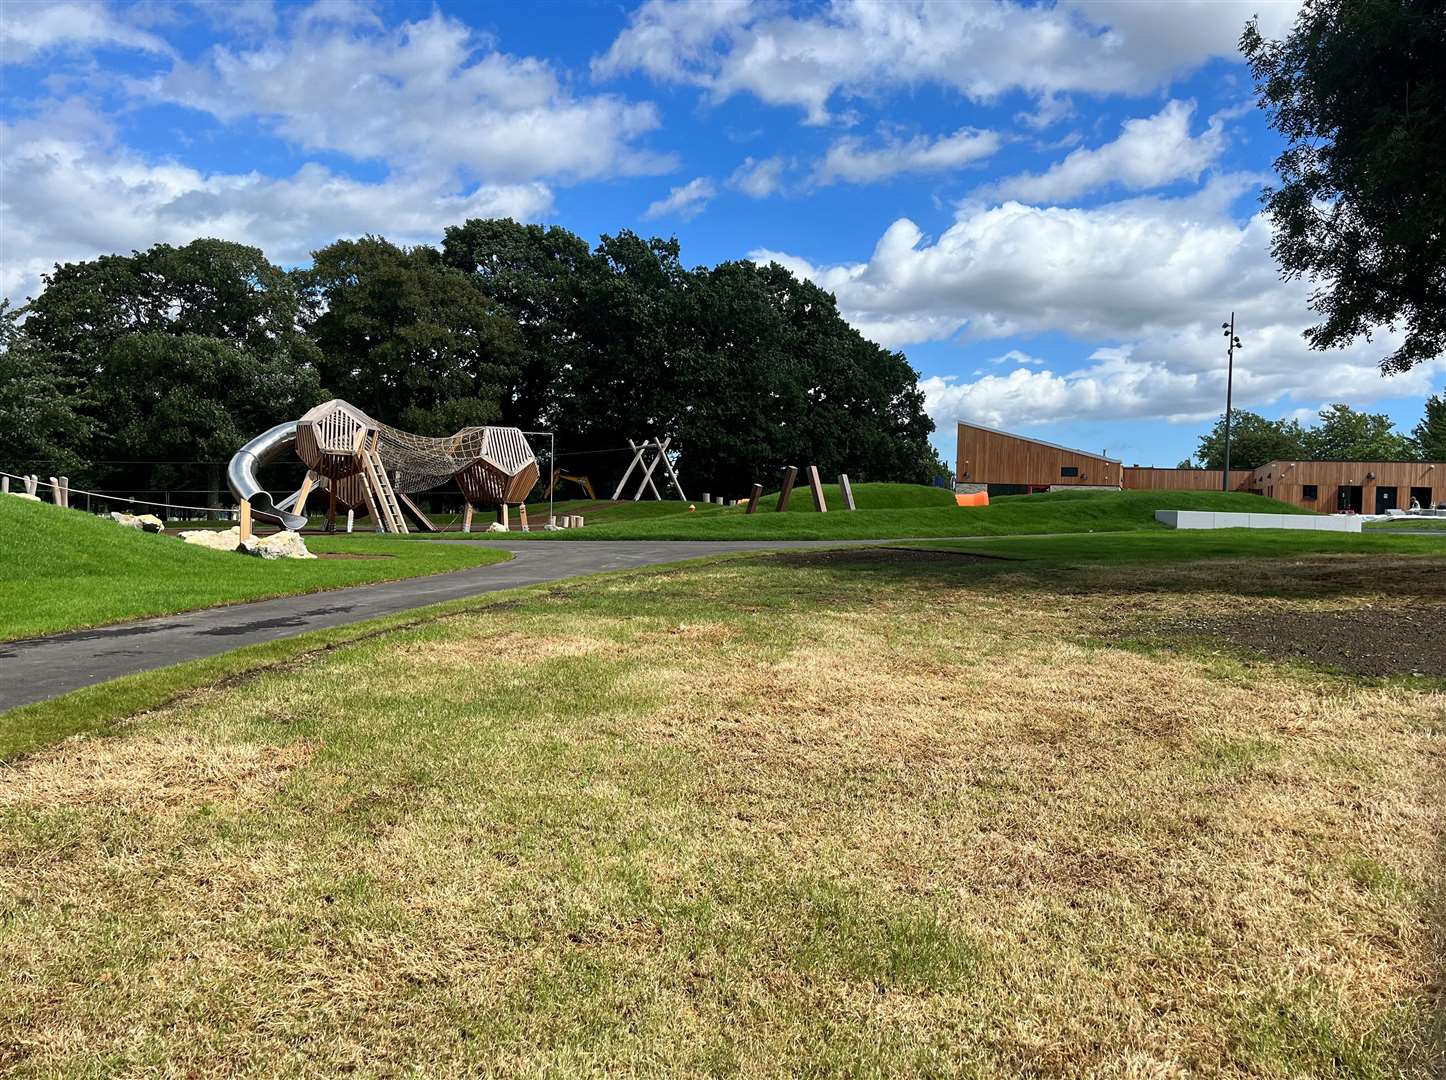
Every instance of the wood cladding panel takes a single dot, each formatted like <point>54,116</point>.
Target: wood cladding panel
<point>1150,479</point>
<point>1287,480</point>
<point>996,457</point>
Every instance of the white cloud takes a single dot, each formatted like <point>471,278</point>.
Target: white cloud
<point>432,94</point>
<point>852,161</point>
<point>758,179</point>
<point>1019,358</point>
<point>69,193</point>
<point>28,30</point>
<point>1144,283</point>
<point>685,202</point>
<point>983,50</point>
<point>1050,110</point>
<point>1150,152</point>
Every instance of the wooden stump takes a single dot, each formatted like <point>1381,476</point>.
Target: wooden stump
<point>467,518</point>
<point>753,497</point>
<point>847,491</point>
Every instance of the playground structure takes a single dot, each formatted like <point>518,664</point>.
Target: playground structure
<point>362,463</point>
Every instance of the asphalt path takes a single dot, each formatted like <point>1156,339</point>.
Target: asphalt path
<point>36,669</point>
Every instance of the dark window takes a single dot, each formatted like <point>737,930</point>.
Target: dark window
<point>1307,492</point>
<point>1069,470</point>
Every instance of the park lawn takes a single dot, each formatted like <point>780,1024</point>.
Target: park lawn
<point>1188,545</point>
<point>1055,512</point>
<point>64,570</point>
<point>1421,524</point>
<point>811,813</point>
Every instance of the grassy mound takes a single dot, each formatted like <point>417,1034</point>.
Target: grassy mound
<point>65,569</point>
<point>1061,511</point>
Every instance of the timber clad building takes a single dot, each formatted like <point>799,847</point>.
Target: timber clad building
<point>1005,464</point>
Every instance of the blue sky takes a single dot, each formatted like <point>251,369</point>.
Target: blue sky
<point>1048,207</point>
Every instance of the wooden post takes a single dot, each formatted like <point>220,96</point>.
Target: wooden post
<point>31,483</point>
<point>522,517</point>
<point>847,491</point>
<point>578,519</point>
<point>55,491</point>
<point>707,497</point>
<point>816,487</point>
<point>245,519</point>
<point>467,518</point>
<point>4,485</point>
<point>350,518</point>
<point>65,492</point>
<point>502,516</point>
<point>753,497</point>
<point>790,474</point>
<point>299,509</point>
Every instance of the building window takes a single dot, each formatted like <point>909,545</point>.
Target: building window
<point>1069,470</point>
<point>1307,492</point>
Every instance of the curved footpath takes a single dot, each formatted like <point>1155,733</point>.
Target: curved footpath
<point>35,669</point>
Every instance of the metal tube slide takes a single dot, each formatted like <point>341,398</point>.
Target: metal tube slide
<point>241,474</point>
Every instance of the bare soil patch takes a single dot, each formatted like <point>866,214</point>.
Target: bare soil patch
<point>1372,640</point>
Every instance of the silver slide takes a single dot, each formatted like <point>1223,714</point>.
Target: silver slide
<point>241,474</point>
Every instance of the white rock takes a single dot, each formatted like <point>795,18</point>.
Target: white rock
<point>215,539</point>
<point>146,522</point>
<point>27,498</point>
<point>283,545</point>
<point>497,526</point>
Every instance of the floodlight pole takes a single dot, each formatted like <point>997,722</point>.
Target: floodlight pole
<point>1233,343</point>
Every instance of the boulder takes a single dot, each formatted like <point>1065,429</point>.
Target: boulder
<point>145,522</point>
<point>215,539</point>
<point>22,495</point>
<point>282,545</point>
<point>497,526</point>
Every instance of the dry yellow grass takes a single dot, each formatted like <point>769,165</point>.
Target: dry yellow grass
<point>757,818</point>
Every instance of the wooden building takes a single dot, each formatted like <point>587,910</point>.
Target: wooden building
<point>1362,487</point>
<point>1005,464</point>
<point>1013,464</point>
<point>1145,478</point>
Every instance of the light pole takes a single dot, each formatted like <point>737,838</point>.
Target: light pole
<point>1232,343</point>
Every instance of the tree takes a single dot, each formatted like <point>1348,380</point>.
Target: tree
<point>1344,434</point>
<point>41,422</point>
<point>1358,90</point>
<point>186,351</point>
<point>409,339</point>
<point>1254,441</point>
<point>543,276</point>
<point>1430,434</point>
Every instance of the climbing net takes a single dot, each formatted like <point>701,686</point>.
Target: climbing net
<point>420,462</point>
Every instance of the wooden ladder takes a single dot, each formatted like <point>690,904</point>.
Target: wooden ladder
<point>381,496</point>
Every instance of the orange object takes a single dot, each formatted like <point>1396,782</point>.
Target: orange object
<point>978,498</point>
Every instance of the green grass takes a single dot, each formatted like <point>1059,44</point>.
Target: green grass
<point>1421,524</point>
<point>915,511</point>
<point>1170,545</point>
<point>64,570</point>
<point>748,817</point>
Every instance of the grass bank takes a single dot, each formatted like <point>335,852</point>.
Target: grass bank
<point>64,570</point>
<point>779,815</point>
<point>1413,524</point>
<point>911,511</point>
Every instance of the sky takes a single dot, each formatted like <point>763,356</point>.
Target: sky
<point>1049,208</point>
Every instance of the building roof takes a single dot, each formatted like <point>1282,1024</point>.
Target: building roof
<point>1041,442</point>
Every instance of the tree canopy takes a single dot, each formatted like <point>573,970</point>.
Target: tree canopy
<point>188,351</point>
<point>1358,90</point>
<point>1342,434</point>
